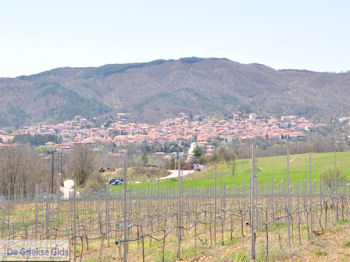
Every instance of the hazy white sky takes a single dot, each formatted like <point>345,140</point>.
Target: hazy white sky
<point>38,35</point>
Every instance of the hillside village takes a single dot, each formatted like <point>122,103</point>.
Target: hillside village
<point>184,128</point>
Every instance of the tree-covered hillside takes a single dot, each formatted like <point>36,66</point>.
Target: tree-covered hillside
<point>163,88</point>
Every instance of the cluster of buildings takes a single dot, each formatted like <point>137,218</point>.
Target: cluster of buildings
<point>344,119</point>
<point>183,128</point>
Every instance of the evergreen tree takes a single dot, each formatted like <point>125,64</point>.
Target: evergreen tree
<point>144,158</point>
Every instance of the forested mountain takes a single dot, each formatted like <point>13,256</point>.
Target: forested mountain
<point>163,88</point>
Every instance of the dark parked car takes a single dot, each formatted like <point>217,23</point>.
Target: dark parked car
<point>112,180</point>
<point>150,166</point>
<point>116,181</point>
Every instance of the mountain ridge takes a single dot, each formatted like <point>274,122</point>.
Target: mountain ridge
<point>155,90</point>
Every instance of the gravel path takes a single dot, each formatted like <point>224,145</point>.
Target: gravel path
<point>175,173</point>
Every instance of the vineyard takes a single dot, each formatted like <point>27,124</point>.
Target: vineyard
<point>178,222</point>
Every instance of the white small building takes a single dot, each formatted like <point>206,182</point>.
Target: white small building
<point>253,116</point>
<point>67,190</point>
<point>190,151</point>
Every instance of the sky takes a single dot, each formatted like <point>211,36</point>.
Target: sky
<point>39,35</point>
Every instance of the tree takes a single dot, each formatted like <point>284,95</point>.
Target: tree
<point>229,156</point>
<point>328,178</point>
<point>197,152</point>
<point>172,163</point>
<point>20,170</point>
<point>36,140</point>
<point>82,163</point>
<point>214,158</point>
<point>144,159</point>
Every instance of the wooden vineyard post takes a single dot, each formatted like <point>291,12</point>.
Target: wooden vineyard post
<point>107,217</point>
<point>321,207</point>
<point>36,211</point>
<point>143,245</point>
<point>75,222</point>
<point>336,187</point>
<point>310,192</point>
<point>178,217</point>
<point>242,228</point>
<point>196,215</point>
<point>215,205</point>
<point>125,214</point>
<point>223,215</point>
<point>148,213</point>
<point>252,190</point>
<point>47,211</point>
<point>288,197</point>
<point>267,235</point>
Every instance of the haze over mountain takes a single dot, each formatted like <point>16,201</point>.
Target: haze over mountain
<point>163,88</point>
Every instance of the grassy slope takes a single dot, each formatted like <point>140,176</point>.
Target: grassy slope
<point>268,167</point>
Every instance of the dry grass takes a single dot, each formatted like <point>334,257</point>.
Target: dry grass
<point>330,246</point>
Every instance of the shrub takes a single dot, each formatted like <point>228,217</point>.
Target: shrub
<point>95,182</point>
<point>328,178</point>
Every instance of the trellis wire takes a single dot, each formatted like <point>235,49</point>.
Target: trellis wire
<point>178,209</point>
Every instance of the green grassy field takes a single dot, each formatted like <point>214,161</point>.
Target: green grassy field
<point>268,168</point>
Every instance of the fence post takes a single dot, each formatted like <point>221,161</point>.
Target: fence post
<point>273,198</point>
<point>47,209</point>
<point>36,211</point>
<point>310,192</point>
<point>178,216</point>
<point>288,196</point>
<point>158,203</point>
<point>182,203</point>
<point>3,217</point>
<point>223,214</point>
<point>196,215</point>
<point>107,215</point>
<point>58,205</point>
<point>215,205</point>
<point>336,186</point>
<point>75,222</point>
<point>252,190</point>
<point>125,213</point>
